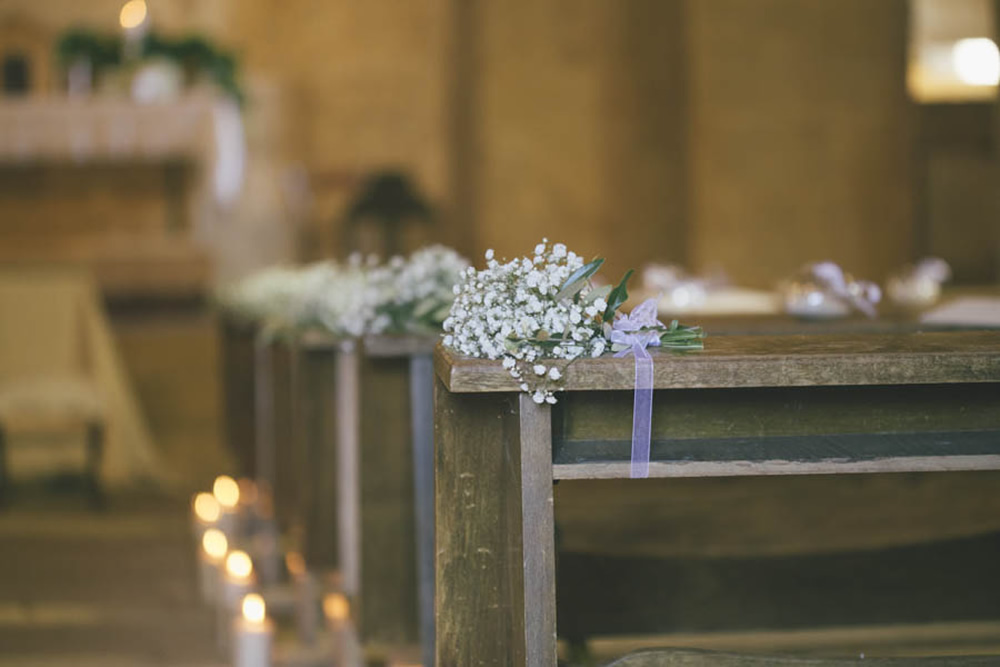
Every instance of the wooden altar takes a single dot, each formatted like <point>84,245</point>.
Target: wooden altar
<point>160,159</point>
<point>746,406</point>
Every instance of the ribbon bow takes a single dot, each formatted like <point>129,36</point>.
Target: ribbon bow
<point>861,294</point>
<point>639,330</point>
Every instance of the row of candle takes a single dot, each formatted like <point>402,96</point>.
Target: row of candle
<point>235,515</point>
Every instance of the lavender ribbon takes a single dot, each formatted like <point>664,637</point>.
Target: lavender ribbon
<point>861,294</point>
<point>635,331</point>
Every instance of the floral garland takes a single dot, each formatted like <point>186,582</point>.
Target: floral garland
<point>529,310</point>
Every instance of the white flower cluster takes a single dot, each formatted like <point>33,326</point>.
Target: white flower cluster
<point>270,295</point>
<point>510,311</point>
<point>352,298</point>
<point>421,293</point>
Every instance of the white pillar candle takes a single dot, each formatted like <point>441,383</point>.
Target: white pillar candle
<point>214,547</point>
<point>306,597</point>
<point>346,648</point>
<point>227,494</point>
<point>252,633</point>
<point>205,513</point>
<point>236,583</point>
<point>134,19</point>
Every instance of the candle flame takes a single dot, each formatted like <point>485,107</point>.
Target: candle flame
<point>215,544</point>
<point>336,607</point>
<point>206,507</point>
<point>239,565</point>
<point>133,14</point>
<point>254,609</point>
<point>226,491</point>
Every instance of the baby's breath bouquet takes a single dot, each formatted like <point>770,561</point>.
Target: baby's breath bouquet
<point>421,291</point>
<point>529,310</point>
<point>353,298</point>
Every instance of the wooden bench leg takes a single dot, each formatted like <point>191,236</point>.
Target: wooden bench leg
<point>494,534</point>
<point>95,455</point>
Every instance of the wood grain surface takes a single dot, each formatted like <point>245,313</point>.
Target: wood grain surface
<point>766,361</point>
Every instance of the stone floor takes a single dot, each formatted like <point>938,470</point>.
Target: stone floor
<point>100,589</point>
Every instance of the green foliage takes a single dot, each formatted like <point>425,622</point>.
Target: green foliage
<point>578,279</point>
<point>195,54</point>
<point>617,297</point>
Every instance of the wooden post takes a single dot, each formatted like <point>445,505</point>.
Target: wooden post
<point>422,427</point>
<point>495,600</point>
<point>348,468</point>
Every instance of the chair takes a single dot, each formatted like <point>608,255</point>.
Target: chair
<point>60,373</point>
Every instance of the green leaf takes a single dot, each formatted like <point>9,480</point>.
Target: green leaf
<point>578,279</point>
<point>425,306</point>
<point>617,297</point>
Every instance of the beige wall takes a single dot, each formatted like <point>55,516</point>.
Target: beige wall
<point>800,141</point>
<point>754,134</point>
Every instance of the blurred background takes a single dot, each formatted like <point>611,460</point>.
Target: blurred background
<point>168,147</point>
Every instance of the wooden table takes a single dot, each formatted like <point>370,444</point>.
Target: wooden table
<point>369,490</point>
<point>745,406</point>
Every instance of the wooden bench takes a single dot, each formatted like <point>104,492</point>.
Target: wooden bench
<point>366,413</point>
<point>746,406</point>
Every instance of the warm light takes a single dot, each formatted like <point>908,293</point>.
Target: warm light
<point>976,61</point>
<point>336,607</point>
<point>248,491</point>
<point>133,14</point>
<point>254,609</point>
<point>226,491</point>
<point>239,565</point>
<point>215,544</point>
<point>206,507</point>
<point>295,563</point>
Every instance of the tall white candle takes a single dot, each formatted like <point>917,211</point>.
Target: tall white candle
<point>252,633</point>
<point>214,546</point>
<point>236,583</point>
<point>306,597</point>
<point>205,512</point>
<point>227,494</point>
<point>346,648</point>
<point>134,19</point>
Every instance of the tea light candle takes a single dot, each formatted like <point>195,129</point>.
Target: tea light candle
<point>205,512</point>
<point>252,633</point>
<point>346,650</point>
<point>227,494</point>
<point>214,546</point>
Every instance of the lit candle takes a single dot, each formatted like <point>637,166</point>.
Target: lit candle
<point>346,650</point>
<point>213,550</point>
<point>133,19</point>
<point>252,632</point>
<point>205,512</point>
<point>227,494</point>
<point>306,597</point>
<point>236,583</point>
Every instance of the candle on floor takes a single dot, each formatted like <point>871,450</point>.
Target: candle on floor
<point>252,632</point>
<point>227,494</point>
<point>236,583</point>
<point>206,512</point>
<point>306,597</point>
<point>214,546</point>
<point>346,649</point>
